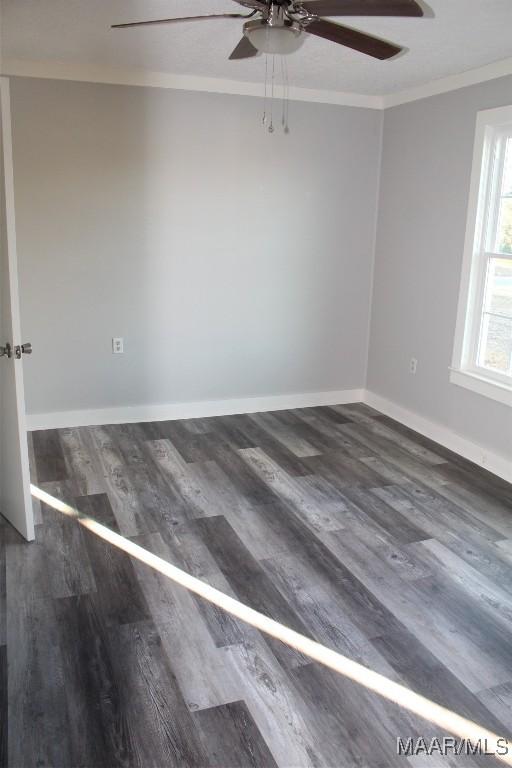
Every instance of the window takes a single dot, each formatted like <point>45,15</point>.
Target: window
<point>483,343</point>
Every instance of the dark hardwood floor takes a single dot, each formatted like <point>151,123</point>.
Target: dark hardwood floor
<point>335,521</point>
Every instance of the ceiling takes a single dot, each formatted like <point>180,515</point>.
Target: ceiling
<point>461,35</point>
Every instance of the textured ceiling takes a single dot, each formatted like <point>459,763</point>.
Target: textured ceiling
<point>462,35</point>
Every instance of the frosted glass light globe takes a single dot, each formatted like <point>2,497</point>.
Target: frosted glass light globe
<point>282,39</point>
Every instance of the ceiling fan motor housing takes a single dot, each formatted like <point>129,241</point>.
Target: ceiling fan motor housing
<point>276,33</point>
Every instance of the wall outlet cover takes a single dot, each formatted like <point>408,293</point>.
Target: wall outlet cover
<point>117,346</point>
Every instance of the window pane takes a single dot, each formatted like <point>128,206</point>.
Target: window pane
<point>507,176</point>
<point>504,238</point>
<point>504,229</point>
<point>498,297</point>
<point>496,344</point>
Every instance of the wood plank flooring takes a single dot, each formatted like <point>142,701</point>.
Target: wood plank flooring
<point>335,521</point>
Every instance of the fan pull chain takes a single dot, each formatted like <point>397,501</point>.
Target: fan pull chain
<point>271,126</point>
<point>284,75</point>
<point>264,121</point>
<point>269,95</point>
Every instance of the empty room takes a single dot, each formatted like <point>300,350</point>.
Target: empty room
<point>255,383</point>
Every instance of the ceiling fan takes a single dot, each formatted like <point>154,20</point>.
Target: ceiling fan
<point>278,26</point>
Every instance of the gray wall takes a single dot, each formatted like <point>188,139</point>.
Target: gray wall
<point>233,263</point>
<point>426,168</point>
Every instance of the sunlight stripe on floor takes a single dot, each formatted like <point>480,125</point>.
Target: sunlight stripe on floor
<point>373,681</point>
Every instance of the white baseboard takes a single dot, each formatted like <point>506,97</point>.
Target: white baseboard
<point>493,462</point>
<point>199,409</point>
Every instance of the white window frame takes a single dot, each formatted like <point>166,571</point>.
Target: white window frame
<point>491,126</point>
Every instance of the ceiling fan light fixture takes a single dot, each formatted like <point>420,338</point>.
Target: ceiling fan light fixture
<point>283,39</point>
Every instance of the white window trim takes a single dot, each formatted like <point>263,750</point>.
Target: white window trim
<point>462,371</point>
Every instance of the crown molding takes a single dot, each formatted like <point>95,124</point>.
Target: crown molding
<point>492,71</point>
<point>60,70</point>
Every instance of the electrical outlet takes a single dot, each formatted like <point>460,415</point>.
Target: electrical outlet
<point>413,366</point>
<point>117,346</point>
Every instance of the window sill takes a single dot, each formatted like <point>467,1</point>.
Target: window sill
<point>483,386</point>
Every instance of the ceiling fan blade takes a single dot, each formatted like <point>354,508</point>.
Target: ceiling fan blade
<point>363,7</point>
<point>244,50</point>
<point>183,18</point>
<point>359,41</point>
